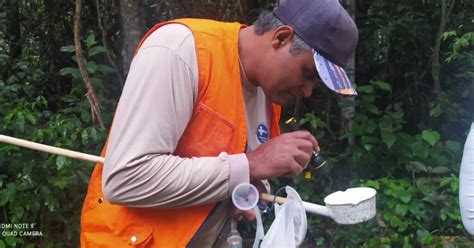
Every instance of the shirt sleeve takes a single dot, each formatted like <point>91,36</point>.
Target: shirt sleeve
<point>154,109</point>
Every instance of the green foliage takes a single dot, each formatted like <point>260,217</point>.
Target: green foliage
<point>459,45</point>
<point>414,206</point>
<point>415,175</point>
<point>38,188</point>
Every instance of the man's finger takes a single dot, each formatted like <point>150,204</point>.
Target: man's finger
<point>305,145</point>
<point>250,215</point>
<point>306,136</point>
<point>302,158</point>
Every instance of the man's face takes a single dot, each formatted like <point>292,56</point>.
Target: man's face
<point>286,76</point>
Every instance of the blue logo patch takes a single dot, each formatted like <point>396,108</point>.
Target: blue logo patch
<point>262,132</point>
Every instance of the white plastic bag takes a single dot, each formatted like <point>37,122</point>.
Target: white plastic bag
<point>466,183</point>
<point>289,227</point>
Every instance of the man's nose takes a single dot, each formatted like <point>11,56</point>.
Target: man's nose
<point>307,89</point>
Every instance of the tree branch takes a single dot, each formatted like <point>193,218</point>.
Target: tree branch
<point>435,65</point>
<point>104,42</point>
<point>90,94</point>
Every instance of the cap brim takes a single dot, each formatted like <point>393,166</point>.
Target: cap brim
<point>333,76</point>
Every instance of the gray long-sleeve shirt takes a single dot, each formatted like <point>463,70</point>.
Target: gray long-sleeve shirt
<point>154,109</point>
<point>153,112</point>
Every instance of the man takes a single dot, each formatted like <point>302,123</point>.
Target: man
<point>199,114</point>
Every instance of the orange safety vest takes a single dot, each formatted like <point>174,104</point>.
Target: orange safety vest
<point>218,124</point>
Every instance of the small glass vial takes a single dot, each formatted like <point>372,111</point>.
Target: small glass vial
<point>317,161</point>
<point>234,240</point>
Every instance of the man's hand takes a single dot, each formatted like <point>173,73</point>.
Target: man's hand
<point>286,155</point>
<point>238,215</point>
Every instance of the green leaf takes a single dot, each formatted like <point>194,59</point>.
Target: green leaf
<point>445,181</point>
<point>104,68</point>
<point>373,109</point>
<point>370,127</point>
<point>4,57</point>
<point>404,196</point>
<point>416,208</point>
<point>3,198</point>
<point>389,138</point>
<point>96,50</point>
<point>2,176</point>
<point>419,166</point>
<point>420,150</point>
<point>440,159</point>
<point>8,194</point>
<point>90,41</point>
<point>386,242</point>
<point>454,186</point>
<point>373,184</point>
<point>448,34</point>
<point>368,147</point>
<point>61,182</point>
<point>443,216</point>
<point>2,244</point>
<point>383,85</point>
<point>68,49</point>
<point>424,237</point>
<point>365,89</point>
<point>30,117</point>
<point>396,222</point>
<point>70,71</point>
<point>391,203</point>
<point>85,137</point>
<point>85,116</point>
<point>12,79</point>
<point>20,121</point>
<point>401,209</point>
<point>406,242</point>
<point>440,170</point>
<point>453,146</point>
<point>91,66</point>
<point>386,125</point>
<point>97,82</point>
<point>10,240</point>
<point>18,212</point>
<point>61,161</point>
<point>430,136</point>
<point>94,135</point>
<point>435,110</point>
<point>368,98</point>
<point>370,139</point>
<point>386,215</point>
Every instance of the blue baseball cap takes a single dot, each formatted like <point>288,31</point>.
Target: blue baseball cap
<point>331,33</point>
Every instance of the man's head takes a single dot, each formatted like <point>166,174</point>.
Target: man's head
<point>311,40</point>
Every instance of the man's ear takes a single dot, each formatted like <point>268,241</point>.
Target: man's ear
<point>282,36</point>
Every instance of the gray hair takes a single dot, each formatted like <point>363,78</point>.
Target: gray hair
<point>267,21</point>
